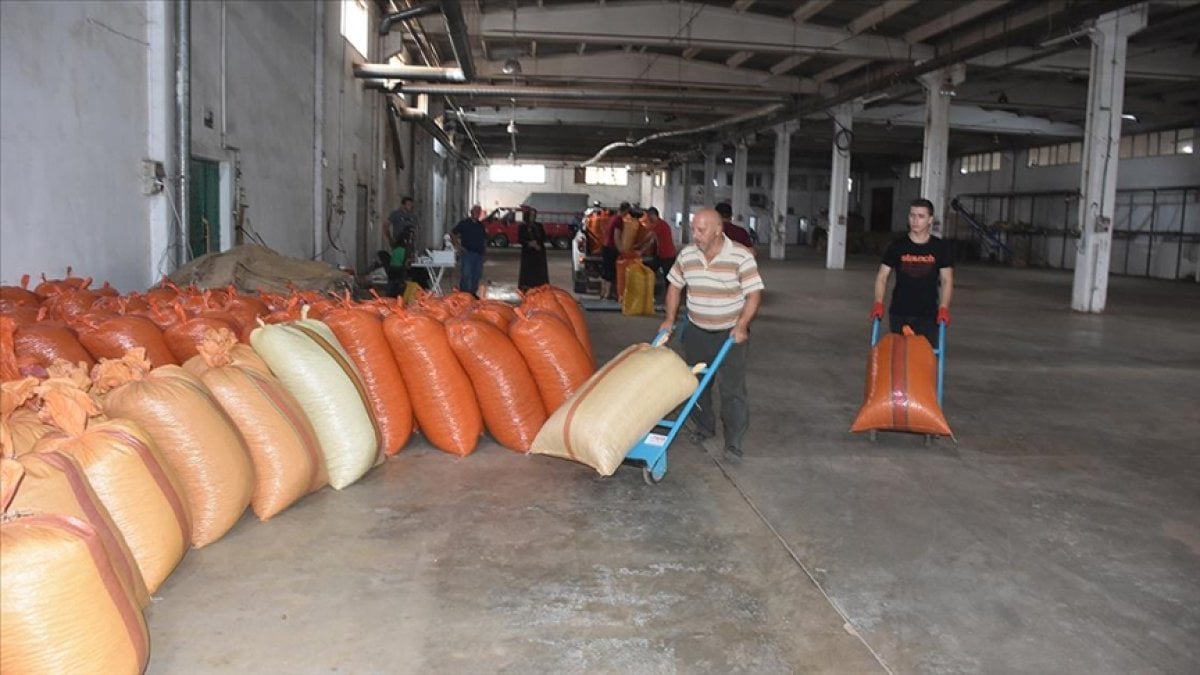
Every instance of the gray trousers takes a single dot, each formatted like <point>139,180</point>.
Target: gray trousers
<point>702,346</point>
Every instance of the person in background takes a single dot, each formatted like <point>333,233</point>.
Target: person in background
<point>724,292</point>
<point>532,237</point>
<point>661,241</point>
<point>397,263</point>
<point>924,266</point>
<point>400,220</point>
<point>733,230</point>
<point>470,240</point>
<point>612,234</point>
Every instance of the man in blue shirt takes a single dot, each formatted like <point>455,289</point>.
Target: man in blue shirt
<point>470,240</point>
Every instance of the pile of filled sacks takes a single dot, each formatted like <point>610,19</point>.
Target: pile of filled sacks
<point>133,427</point>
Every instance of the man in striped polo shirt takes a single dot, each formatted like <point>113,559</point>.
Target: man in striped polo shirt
<point>724,291</point>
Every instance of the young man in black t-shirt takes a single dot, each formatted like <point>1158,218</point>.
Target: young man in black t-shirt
<point>924,266</point>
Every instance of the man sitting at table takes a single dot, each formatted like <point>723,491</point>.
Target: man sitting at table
<point>470,240</point>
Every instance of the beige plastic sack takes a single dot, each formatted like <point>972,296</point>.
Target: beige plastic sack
<point>618,405</point>
<point>197,439</point>
<point>20,427</point>
<point>282,443</point>
<point>55,484</point>
<point>313,367</point>
<point>62,607</point>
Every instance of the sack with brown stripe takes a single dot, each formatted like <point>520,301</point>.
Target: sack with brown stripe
<point>191,431</point>
<point>313,367</point>
<point>63,607</point>
<point>602,421</point>
<point>902,387</point>
<point>282,443</point>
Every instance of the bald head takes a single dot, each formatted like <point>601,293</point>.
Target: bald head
<point>707,229</point>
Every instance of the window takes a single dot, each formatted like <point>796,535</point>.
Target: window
<point>356,20</point>
<point>660,178</point>
<point>914,169</point>
<point>986,161</point>
<point>1157,143</point>
<point>606,175</point>
<point>754,179</point>
<point>1055,155</point>
<point>517,173</point>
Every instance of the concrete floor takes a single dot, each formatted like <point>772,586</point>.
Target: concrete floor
<point>1061,533</point>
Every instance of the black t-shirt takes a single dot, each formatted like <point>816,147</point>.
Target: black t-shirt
<point>917,268</point>
<point>471,234</point>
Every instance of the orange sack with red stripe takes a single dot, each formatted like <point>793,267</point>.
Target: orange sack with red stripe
<point>902,387</point>
<point>554,355</point>
<point>63,607</point>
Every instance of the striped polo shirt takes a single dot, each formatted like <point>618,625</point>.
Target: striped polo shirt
<point>717,289</point>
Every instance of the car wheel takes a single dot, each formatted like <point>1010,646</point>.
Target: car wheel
<point>500,241</point>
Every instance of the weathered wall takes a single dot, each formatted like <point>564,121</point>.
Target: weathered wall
<point>73,130</point>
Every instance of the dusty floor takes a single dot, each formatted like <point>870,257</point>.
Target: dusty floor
<point>1061,534</point>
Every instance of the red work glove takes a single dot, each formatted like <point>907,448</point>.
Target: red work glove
<point>943,315</point>
<point>877,311</point>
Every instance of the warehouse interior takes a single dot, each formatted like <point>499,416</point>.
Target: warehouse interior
<point>1057,531</point>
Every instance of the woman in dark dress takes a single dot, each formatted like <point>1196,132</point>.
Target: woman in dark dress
<point>533,254</point>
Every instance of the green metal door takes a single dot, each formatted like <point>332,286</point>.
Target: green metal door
<point>204,211</point>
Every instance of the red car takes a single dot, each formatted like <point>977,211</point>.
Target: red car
<point>502,223</point>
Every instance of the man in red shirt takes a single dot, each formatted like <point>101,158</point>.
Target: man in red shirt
<point>733,230</point>
<point>662,240</point>
<point>612,234</point>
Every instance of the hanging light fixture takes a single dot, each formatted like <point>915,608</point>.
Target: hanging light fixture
<point>511,65</point>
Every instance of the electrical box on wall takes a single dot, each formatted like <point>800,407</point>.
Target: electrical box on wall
<point>154,177</point>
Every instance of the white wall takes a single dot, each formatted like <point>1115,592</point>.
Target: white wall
<point>80,108</point>
<point>73,132</point>
<point>560,177</point>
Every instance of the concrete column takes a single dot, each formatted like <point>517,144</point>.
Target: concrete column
<point>712,155</point>
<point>934,157</point>
<point>783,149</point>
<point>740,202</point>
<point>839,178</point>
<point>1101,145</point>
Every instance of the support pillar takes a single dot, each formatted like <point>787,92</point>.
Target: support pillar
<point>839,179</point>
<point>939,85</point>
<point>711,153</point>
<point>740,202</point>
<point>1101,145</point>
<point>779,208</point>
<point>685,207</point>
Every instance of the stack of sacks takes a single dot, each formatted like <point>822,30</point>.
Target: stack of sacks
<point>128,473</point>
<point>282,443</point>
<point>63,607</point>
<point>617,406</point>
<point>20,427</point>
<point>564,305</point>
<point>313,367</point>
<point>199,442</point>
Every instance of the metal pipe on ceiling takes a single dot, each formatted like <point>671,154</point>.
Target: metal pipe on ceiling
<point>456,28</point>
<point>506,91</point>
<point>713,126</point>
<point>425,122</point>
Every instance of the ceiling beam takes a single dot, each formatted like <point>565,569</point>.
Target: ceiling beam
<point>688,24</point>
<point>1176,62</point>
<point>810,9</point>
<point>863,22</point>
<point>738,59</point>
<point>742,5</point>
<point>969,118</point>
<point>625,95</point>
<point>646,69</point>
<point>690,52</point>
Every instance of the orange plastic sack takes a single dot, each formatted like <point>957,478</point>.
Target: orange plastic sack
<point>499,314</point>
<point>555,358</point>
<point>197,439</point>
<point>183,336</point>
<point>508,397</point>
<point>113,338</point>
<point>623,263</point>
<point>12,297</point>
<point>55,484</point>
<point>360,331</point>
<point>62,606</point>
<point>575,315</point>
<point>45,341</point>
<point>902,388</point>
<point>442,396</point>
<point>282,443</point>
<point>20,427</point>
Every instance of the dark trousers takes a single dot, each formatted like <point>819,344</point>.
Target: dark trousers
<point>701,346</point>
<point>921,325</point>
<point>471,272</point>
